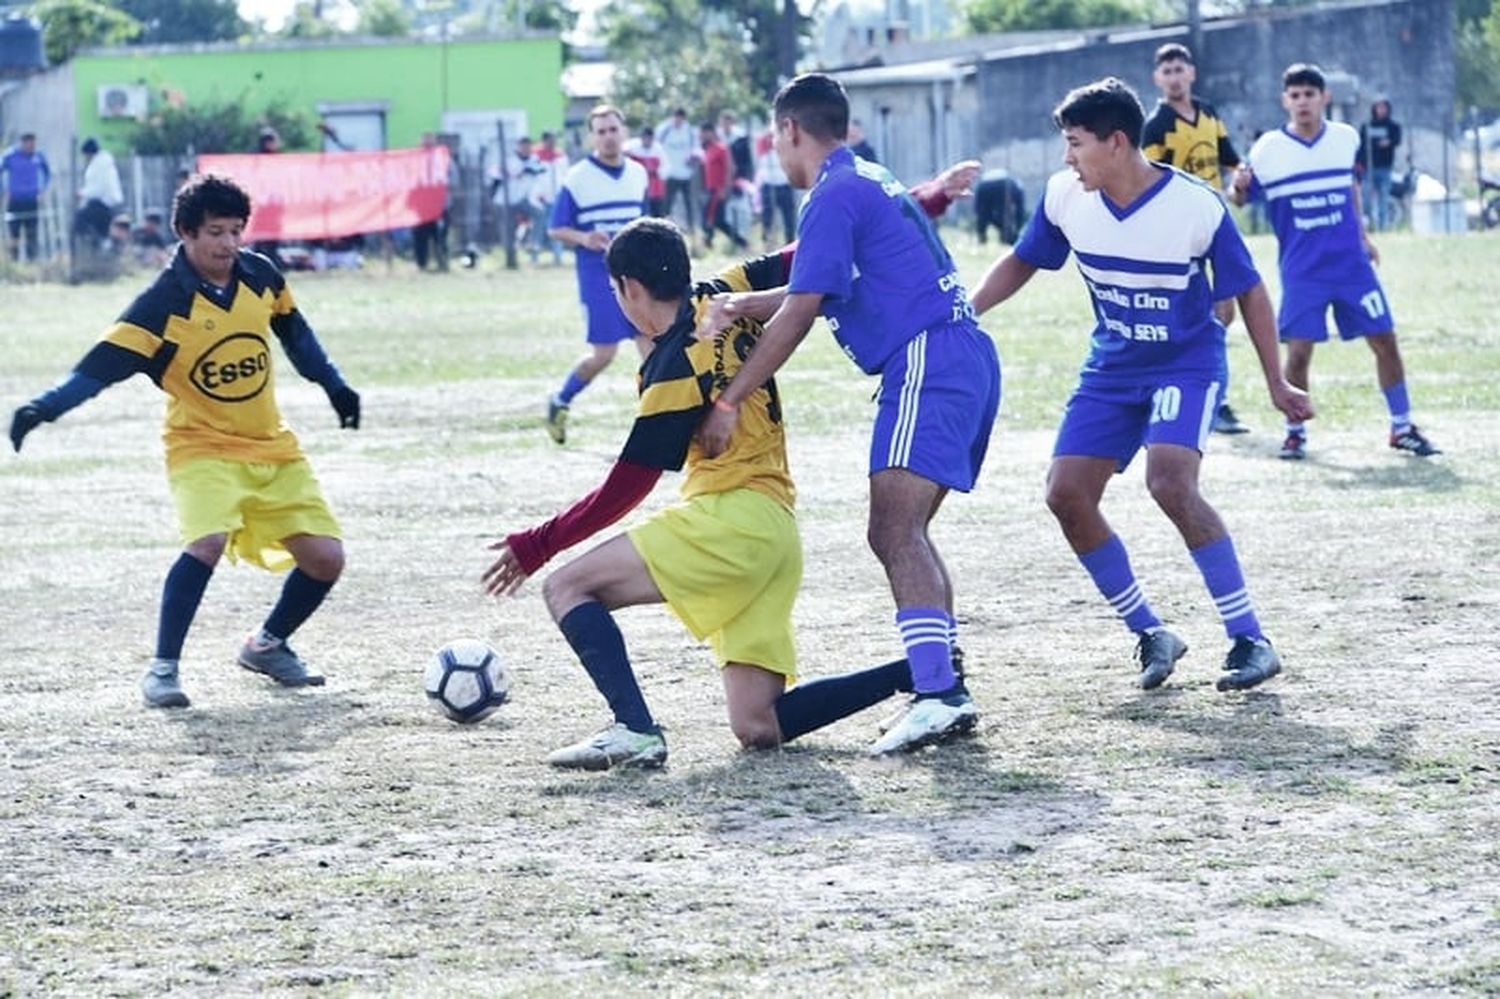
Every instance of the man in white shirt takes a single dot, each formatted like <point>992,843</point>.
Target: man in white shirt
<point>100,193</point>
<point>678,140</point>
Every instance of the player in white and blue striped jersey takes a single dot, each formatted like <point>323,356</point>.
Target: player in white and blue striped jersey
<point>601,194</point>
<point>1156,248</point>
<point>1304,172</point>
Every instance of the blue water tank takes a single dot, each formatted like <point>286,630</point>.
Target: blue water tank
<point>20,47</point>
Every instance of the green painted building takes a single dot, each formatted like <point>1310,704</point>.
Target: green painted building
<point>375,93</point>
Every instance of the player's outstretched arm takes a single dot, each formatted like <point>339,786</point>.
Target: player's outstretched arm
<point>311,361</point>
<point>524,552</point>
<point>785,330</point>
<point>72,391</point>
<point>1004,278</point>
<point>1260,320</point>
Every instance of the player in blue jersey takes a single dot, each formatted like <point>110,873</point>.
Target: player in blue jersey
<point>1304,172</point>
<point>600,194</point>
<point>1142,234</point>
<point>870,261</point>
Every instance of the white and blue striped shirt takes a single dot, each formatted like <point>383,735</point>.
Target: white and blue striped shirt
<point>1308,188</point>
<point>1146,267</point>
<point>599,197</point>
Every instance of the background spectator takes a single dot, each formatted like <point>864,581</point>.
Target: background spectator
<point>26,175</point>
<point>859,143</point>
<point>1378,139</point>
<point>645,151</point>
<point>99,196</point>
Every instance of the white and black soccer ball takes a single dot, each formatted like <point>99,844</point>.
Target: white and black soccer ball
<point>466,681</point>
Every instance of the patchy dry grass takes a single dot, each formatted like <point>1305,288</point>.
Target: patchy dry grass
<point>1335,832</point>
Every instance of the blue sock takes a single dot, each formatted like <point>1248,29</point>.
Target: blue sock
<point>924,633</point>
<point>180,596</point>
<point>300,596</point>
<point>572,385</point>
<point>1399,405</point>
<point>1110,568</point>
<point>1220,567</point>
<point>601,648</point>
<point>825,700</point>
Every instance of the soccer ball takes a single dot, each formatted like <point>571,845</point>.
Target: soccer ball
<point>466,681</point>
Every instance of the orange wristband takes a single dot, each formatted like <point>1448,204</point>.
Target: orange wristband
<point>725,407</point>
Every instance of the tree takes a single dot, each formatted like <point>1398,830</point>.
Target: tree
<point>737,50</point>
<point>70,25</point>
<point>170,21</point>
<point>987,16</point>
<point>706,77</point>
<point>383,19</point>
<point>215,126</point>
<point>1478,56</point>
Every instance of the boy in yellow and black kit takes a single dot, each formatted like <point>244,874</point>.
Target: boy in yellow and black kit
<point>727,560</point>
<point>238,476</point>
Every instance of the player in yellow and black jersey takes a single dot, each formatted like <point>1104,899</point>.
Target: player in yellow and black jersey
<point>1183,131</point>
<point>1186,133</point>
<point>727,560</point>
<point>202,332</point>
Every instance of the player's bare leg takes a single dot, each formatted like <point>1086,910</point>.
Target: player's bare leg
<point>1172,480</point>
<point>751,694</point>
<point>1225,419</point>
<point>1075,487</point>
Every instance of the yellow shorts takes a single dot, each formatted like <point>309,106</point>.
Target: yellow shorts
<point>729,565</point>
<point>256,504</point>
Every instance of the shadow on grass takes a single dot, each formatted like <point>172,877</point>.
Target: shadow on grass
<point>286,733</point>
<point>1252,736</point>
<point>947,799</point>
<point>1429,475</point>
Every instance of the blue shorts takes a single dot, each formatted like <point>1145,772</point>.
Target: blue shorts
<point>1115,422</point>
<point>605,323</point>
<point>938,400</point>
<point>1359,308</point>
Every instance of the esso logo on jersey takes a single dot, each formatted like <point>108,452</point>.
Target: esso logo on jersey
<point>235,369</point>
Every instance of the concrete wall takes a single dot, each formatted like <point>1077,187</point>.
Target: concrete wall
<point>1400,48</point>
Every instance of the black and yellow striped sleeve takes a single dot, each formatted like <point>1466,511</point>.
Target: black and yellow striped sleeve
<point>674,394</point>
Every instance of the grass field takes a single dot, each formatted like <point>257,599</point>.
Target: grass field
<point>1337,832</point>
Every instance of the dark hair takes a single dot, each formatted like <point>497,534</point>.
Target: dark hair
<point>28,136</point>
<point>208,194</point>
<point>1173,52</point>
<point>1303,74</point>
<point>817,103</point>
<point>90,145</point>
<point>1103,107</point>
<point>652,251</point>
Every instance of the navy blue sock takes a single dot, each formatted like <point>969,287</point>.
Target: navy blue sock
<point>601,648</point>
<point>300,596</point>
<point>825,700</point>
<point>180,596</point>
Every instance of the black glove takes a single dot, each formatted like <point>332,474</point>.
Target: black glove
<point>28,416</point>
<point>345,403</point>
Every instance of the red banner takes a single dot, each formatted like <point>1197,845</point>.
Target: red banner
<point>326,195</point>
